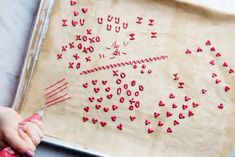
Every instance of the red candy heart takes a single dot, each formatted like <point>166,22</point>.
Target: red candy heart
<point>226,88</point>
<point>114,107</point>
<point>231,71</point>
<point>225,64</point>
<point>85,119</point>
<point>168,114</point>
<point>104,82</point>
<point>85,85</point>
<point>174,105</point>
<point>114,118</point>
<point>91,99</point>
<point>94,82</point>
<point>195,105</point>
<point>212,49</point>
<point>150,131</point>
<point>74,23</point>
<point>184,107</point>
<point>110,96</point>
<point>161,103</point>
<point>107,89</point>
<point>106,109</point>
<point>171,96</point>
<point>160,123</point>
<point>169,130</point>
<point>217,81</point>
<point>218,54</point>
<point>100,99</point>
<point>181,116</point>
<point>84,10</point>
<point>214,75</point>
<point>132,118</point>
<point>119,126</point>
<point>190,113</point>
<point>94,120</point>
<point>188,51</point>
<point>76,13</point>
<point>103,124</point>
<point>212,62</point>
<point>97,107</point>
<point>199,49</point>
<point>186,98</point>
<point>147,122</point>
<point>204,91</point>
<point>72,3</point>
<point>86,109</point>
<point>96,90</point>
<point>208,42</point>
<point>156,114</point>
<point>176,122</point>
<point>221,106</point>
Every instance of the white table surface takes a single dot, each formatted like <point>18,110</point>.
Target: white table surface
<point>16,20</point>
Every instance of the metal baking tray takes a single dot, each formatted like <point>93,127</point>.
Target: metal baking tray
<point>33,51</point>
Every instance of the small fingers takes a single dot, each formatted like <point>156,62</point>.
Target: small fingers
<point>27,139</point>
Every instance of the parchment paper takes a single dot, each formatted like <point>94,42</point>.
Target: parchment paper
<point>209,133</point>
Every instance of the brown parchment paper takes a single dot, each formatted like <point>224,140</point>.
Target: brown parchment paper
<point>209,133</point>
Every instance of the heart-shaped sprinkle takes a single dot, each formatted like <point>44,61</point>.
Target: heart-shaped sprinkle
<point>97,90</point>
<point>168,114</point>
<point>188,51</point>
<point>161,103</point>
<point>221,106</point>
<point>174,105</point>
<point>190,113</point>
<point>208,42</point>
<point>72,3</point>
<point>97,106</point>
<point>110,96</point>
<point>212,62</point>
<point>114,107</point>
<point>91,99</point>
<point>132,118</point>
<point>114,118</point>
<point>74,23</point>
<point>147,122</point>
<point>212,49</point>
<point>156,114</point>
<point>169,130</point>
<point>160,123</point>
<point>119,126</point>
<point>195,105</point>
<point>231,71</point>
<point>104,82</point>
<point>176,122</point>
<point>84,10</point>
<point>94,120</point>
<point>103,124</point>
<point>214,75</point>
<point>85,119</point>
<point>225,64</point>
<point>204,91</point>
<point>100,99</point>
<point>181,116</point>
<point>199,49</point>
<point>217,81</point>
<point>218,54</point>
<point>85,85</point>
<point>184,107</point>
<point>186,98</point>
<point>171,96</point>
<point>106,109</point>
<point>75,13</point>
<point>226,88</point>
<point>86,109</point>
<point>150,130</point>
<point>107,89</point>
<point>94,82</point>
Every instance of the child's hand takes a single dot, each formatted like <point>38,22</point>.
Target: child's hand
<point>22,137</point>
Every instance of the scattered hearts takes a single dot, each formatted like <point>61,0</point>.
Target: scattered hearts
<point>97,107</point>
<point>195,105</point>
<point>176,122</point>
<point>100,99</point>
<point>218,54</point>
<point>231,71</point>
<point>91,99</point>
<point>156,114</point>
<point>208,42</point>
<point>190,113</point>
<point>86,109</point>
<point>217,81</point>
<point>199,49</point>
<point>85,119</point>
<point>188,51</point>
<point>147,122</point>
<point>84,10</point>
<point>103,124</point>
<point>104,82</point>
<point>225,64</point>
<point>74,23</point>
<point>114,107</point>
<point>212,49</point>
<point>214,75</point>
<point>85,85</point>
<point>110,96</point>
<point>96,90</point>
<point>221,106</point>
<point>174,105</point>
<point>160,123</point>
<point>72,3</point>
<point>94,82</point>
<point>212,62</point>
<point>107,89</point>
<point>119,126</point>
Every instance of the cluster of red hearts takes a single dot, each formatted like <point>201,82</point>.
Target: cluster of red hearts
<point>125,94</point>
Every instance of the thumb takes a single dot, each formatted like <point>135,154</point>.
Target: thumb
<point>13,139</point>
